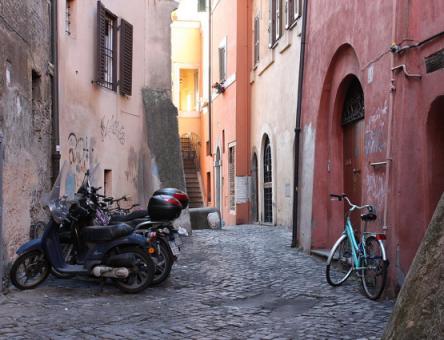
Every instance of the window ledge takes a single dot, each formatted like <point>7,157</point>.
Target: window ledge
<point>265,63</point>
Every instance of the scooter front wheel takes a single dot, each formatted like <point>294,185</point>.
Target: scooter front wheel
<point>141,274</point>
<point>29,270</point>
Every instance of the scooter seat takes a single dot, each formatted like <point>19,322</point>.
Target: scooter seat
<point>105,233</point>
<point>132,223</point>
<point>129,217</point>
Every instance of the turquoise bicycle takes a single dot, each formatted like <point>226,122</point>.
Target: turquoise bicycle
<point>367,258</point>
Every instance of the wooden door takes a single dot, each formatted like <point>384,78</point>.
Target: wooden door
<point>353,161</point>
<point>353,124</point>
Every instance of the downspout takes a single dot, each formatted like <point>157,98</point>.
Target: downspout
<point>388,155</point>
<point>209,79</point>
<point>1,215</point>
<point>297,130</point>
<point>55,138</point>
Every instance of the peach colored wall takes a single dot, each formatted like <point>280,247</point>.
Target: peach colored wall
<point>189,125</point>
<point>97,125</point>
<point>230,109</point>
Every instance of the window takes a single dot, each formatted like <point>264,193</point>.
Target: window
<point>68,16</point>
<point>106,48</point>
<point>275,22</point>
<point>208,187</point>
<point>108,183</point>
<point>208,148</point>
<point>256,39</point>
<point>232,176</point>
<point>107,52</point>
<point>268,183</point>
<point>201,5</point>
<point>189,90</point>
<point>223,61</point>
<point>293,12</point>
<point>278,19</point>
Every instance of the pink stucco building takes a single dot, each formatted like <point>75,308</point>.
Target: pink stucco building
<point>372,120</point>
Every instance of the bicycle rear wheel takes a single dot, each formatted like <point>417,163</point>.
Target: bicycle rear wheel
<point>374,275</point>
<point>339,263</point>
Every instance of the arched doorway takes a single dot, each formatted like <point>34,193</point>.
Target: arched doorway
<point>254,185</point>
<point>353,125</point>
<point>217,179</point>
<point>435,146</point>
<point>268,182</point>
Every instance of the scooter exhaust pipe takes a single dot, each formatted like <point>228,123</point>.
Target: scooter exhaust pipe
<point>116,273</point>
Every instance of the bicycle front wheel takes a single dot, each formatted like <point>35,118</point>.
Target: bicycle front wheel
<point>340,262</point>
<point>374,274</point>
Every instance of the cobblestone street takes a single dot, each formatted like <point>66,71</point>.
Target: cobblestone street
<point>242,282</point>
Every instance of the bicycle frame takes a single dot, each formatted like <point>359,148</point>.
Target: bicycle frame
<point>354,244</point>
<point>358,255</point>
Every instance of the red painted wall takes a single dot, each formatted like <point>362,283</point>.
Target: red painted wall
<point>347,38</point>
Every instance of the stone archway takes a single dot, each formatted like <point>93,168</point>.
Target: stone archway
<point>327,216</point>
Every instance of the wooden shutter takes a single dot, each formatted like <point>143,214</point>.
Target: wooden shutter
<point>222,63</point>
<point>297,9</point>
<point>290,12</point>
<point>101,32</point>
<point>126,58</point>
<point>272,23</point>
<point>201,5</point>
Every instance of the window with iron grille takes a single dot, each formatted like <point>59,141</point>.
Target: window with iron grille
<point>275,22</point>
<point>293,12</point>
<point>256,39</point>
<point>106,48</point>
<point>268,184</point>
<point>222,62</point>
<point>232,176</point>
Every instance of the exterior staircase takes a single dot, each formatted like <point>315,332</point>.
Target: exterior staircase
<point>190,164</point>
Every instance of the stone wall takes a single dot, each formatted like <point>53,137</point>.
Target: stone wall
<point>420,304</point>
<point>25,116</point>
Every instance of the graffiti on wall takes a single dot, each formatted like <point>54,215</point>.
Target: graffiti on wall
<point>375,131</point>
<point>78,152</point>
<point>110,126</point>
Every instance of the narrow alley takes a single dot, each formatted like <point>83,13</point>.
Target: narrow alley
<point>242,282</point>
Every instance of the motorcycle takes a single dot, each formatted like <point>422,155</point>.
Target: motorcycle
<point>113,251</point>
<point>155,224</point>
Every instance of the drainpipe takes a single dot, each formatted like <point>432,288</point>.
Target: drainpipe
<point>297,130</point>
<point>1,214</point>
<point>209,77</point>
<point>388,155</point>
<point>55,138</point>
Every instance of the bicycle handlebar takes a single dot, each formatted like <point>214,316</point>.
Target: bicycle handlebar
<point>352,206</point>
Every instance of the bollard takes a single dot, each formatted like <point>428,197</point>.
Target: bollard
<point>203,218</point>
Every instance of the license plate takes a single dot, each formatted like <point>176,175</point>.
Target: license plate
<point>174,248</point>
<point>177,240</point>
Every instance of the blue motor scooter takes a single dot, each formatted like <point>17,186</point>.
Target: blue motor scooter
<point>114,251</point>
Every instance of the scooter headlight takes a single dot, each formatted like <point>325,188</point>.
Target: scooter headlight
<point>59,211</point>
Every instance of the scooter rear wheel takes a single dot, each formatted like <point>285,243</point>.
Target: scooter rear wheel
<point>141,274</point>
<point>29,270</point>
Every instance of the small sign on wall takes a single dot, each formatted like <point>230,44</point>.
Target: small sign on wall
<point>242,189</point>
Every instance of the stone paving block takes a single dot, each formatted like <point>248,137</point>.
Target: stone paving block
<point>224,286</point>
